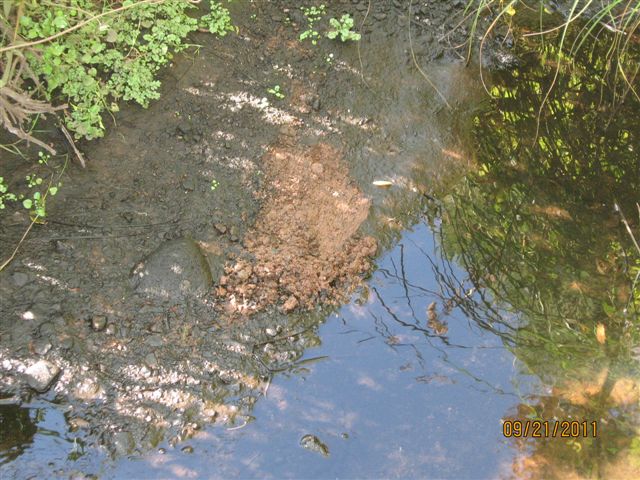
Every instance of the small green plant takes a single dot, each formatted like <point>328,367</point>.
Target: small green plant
<point>343,28</point>
<point>218,20</point>
<point>276,92</point>
<point>214,184</point>
<point>35,202</point>
<point>313,16</point>
<point>5,194</point>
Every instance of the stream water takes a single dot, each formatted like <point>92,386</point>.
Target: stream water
<point>501,297</point>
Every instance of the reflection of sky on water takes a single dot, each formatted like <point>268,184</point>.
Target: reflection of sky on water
<point>391,398</point>
<point>44,443</point>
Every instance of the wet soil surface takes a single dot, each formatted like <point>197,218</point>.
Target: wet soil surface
<point>133,348</point>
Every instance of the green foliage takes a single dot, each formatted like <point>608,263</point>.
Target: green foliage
<point>536,228</point>
<point>313,15</point>
<point>343,28</point>
<point>36,199</point>
<point>108,60</point>
<point>276,92</point>
<point>218,20</point>
<point>5,194</point>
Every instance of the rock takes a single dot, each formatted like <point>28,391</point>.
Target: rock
<point>290,304</point>
<point>187,449</point>
<point>151,361</point>
<point>98,323</point>
<point>123,443</point>
<point>41,375</point>
<point>88,389</point>
<point>221,228</point>
<point>41,346</point>
<point>154,341</point>
<point>176,269</point>
<point>65,342</point>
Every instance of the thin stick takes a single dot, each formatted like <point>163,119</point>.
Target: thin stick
<point>413,57</point>
<point>79,155</point>
<point>626,224</point>
<point>13,255</point>
<point>366,15</point>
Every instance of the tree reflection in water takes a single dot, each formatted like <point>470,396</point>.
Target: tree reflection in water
<point>537,230</point>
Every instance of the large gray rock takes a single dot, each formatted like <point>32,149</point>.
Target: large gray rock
<point>177,268</point>
<point>41,375</point>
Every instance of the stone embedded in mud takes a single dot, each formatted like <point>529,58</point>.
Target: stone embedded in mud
<point>41,375</point>
<point>177,268</point>
<point>290,304</point>
<point>99,323</point>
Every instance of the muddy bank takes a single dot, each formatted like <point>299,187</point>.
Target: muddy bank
<point>290,225</point>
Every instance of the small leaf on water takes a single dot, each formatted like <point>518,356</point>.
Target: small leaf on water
<point>27,203</point>
<point>601,334</point>
<point>53,190</point>
<point>382,183</point>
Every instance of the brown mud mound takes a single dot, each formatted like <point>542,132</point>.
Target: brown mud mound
<point>304,246</point>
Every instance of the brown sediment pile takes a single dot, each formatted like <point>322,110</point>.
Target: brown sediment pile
<point>304,249</point>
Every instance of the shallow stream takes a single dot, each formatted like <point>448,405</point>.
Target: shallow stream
<point>500,296</point>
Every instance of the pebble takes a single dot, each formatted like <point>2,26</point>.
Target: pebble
<point>154,341</point>
<point>88,389</point>
<point>221,228</point>
<point>151,361</point>
<point>41,346</point>
<point>187,449</point>
<point>244,272</point>
<point>19,279</point>
<point>66,343</point>
<point>290,304</point>
<point>99,322</point>
<point>41,375</point>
